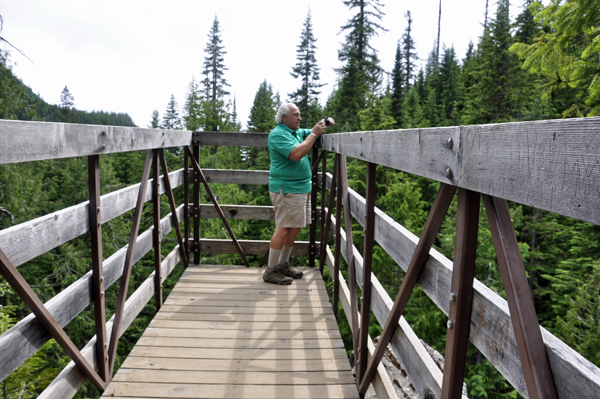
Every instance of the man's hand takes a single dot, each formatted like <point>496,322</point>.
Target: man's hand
<point>320,127</point>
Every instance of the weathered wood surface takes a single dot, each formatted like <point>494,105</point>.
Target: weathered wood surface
<point>418,364</point>
<point>552,165</point>
<point>253,212</point>
<point>22,141</point>
<point>239,358</point>
<point>250,247</point>
<point>28,240</point>
<point>70,379</point>
<point>491,328</point>
<point>381,381</point>
<point>234,176</point>
<point>231,139</point>
<point>22,340</point>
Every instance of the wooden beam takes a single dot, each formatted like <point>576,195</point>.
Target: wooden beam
<point>491,327</point>
<point>22,340</point>
<point>246,212</point>
<point>250,247</point>
<point>28,240</point>
<point>233,139</point>
<point>70,379</point>
<point>233,176</point>
<point>552,165</point>
<point>22,141</point>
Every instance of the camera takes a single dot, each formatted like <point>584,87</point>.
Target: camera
<point>326,121</point>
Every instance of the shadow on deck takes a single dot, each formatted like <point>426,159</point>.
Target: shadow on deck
<point>224,333</point>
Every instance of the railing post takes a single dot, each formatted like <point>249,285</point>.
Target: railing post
<point>365,310</point>
<point>156,233</point>
<point>95,217</point>
<point>461,293</point>
<point>338,237</point>
<point>196,208</point>
<point>186,201</point>
<point>532,351</point>
<point>313,209</point>
<point>324,233</point>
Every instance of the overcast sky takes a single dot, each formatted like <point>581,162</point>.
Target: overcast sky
<point>130,56</point>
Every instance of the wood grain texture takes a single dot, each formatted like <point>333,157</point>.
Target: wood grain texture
<point>552,165</point>
<point>22,340</point>
<point>28,240</point>
<point>233,176</point>
<point>231,139</point>
<point>288,355</point>
<point>70,379</point>
<point>491,328</point>
<point>250,247</point>
<point>22,141</point>
<point>252,212</point>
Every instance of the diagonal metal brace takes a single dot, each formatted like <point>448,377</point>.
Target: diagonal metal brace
<point>196,167</point>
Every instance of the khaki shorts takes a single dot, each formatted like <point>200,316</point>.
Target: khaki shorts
<point>291,209</point>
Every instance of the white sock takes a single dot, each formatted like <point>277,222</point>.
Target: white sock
<point>285,254</point>
<point>273,257</point>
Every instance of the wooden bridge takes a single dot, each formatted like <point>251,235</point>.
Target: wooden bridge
<point>239,337</point>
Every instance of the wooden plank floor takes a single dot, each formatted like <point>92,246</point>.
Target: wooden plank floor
<point>224,333</point>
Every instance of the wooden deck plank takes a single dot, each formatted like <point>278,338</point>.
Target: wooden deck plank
<point>239,391</point>
<point>238,354</point>
<point>243,334</point>
<point>237,365</point>
<point>179,376</point>
<point>223,332</point>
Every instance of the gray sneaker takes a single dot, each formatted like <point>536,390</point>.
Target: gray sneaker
<point>287,270</point>
<point>276,277</point>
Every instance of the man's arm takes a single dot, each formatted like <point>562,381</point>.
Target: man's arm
<point>303,148</point>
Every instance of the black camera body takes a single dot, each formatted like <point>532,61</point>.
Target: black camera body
<point>326,121</point>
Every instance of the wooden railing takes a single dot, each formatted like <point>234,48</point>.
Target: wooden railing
<point>552,165</point>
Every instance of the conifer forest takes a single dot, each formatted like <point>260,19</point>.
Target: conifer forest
<point>543,64</point>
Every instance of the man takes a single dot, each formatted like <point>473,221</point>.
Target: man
<point>289,186</point>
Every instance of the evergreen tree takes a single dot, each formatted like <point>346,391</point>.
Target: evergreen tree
<point>264,108</point>
<point>494,96</point>
<point>155,121</point>
<point>236,124</point>
<point>193,113</point>
<point>398,88</point>
<point>67,107</point>
<point>306,97</point>
<point>361,72</point>
<point>567,53</point>
<point>410,55</point>
<point>216,109</point>
<point>171,118</point>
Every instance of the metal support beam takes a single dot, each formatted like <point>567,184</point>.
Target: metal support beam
<point>217,208</point>
<point>365,310</point>
<point>196,207</point>
<point>171,198</point>
<point>324,232</point>
<point>156,232</point>
<point>313,209</point>
<point>532,351</point>
<point>327,219</point>
<point>338,237</point>
<point>461,293</point>
<point>349,253</point>
<point>21,288</point>
<point>417,263</point>
<point>186,201</point>
<point>137,217</point>
<point>95,217</point>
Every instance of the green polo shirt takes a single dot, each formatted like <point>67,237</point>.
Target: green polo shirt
<point>292,176</point>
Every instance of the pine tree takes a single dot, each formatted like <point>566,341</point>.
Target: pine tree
<point>155,121</point>
<point>264,108</point>
<point>361,72</point>
<point>67,107</point>
<point>410,55</point>
<point>193,112</point>
<point>494,96</point>
<point>171,118</point>
<point>306,97</point>
<point>216,109</point>
<point>398,89</point>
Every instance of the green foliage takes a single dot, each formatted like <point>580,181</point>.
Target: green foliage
<point>307,70</point>
<point>193,112</point>
<point>567,52</point>
<point>171,118</point>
